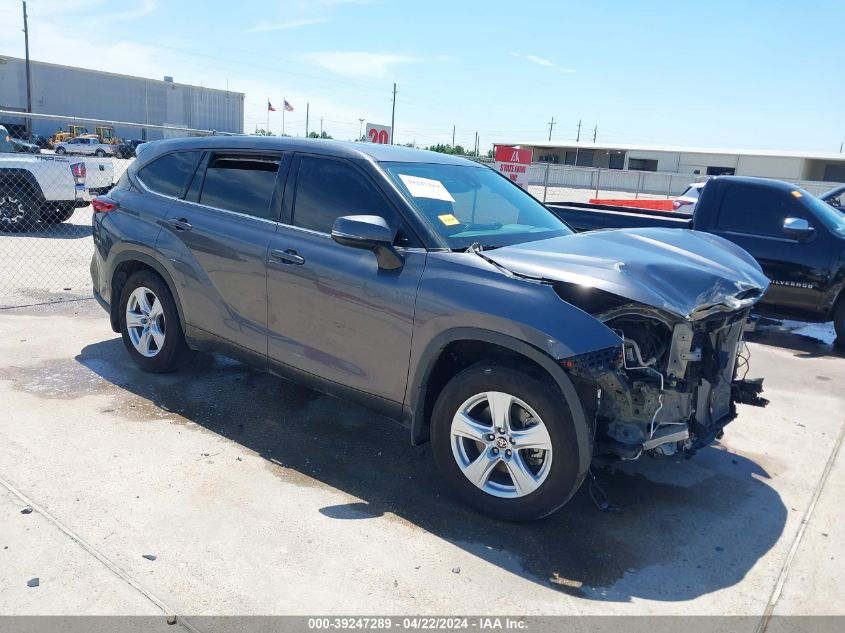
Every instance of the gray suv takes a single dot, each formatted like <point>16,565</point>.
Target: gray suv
<point>436,292</point>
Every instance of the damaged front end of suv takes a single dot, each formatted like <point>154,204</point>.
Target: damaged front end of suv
<point>679,302</point>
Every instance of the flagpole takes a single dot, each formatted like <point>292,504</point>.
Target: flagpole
<point>284,102</point>
<point>268,116</point>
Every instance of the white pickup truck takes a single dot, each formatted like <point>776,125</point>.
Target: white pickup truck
<point>46,188</point>
<point>85,145</point>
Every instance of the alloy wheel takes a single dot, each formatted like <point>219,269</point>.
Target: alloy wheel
<point>145,322</point>
<point>501,445</point>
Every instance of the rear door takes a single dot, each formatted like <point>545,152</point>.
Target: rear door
<point>217,237</point>
<point>333,312</point>
<point>752,216</point>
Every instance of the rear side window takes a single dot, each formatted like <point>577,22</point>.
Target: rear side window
<point>756,211</point>
<point>169,174</point>
<point>327,189</point>
<point>241,182</point>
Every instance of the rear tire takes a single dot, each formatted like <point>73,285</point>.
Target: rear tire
<point>513,484</point>
<point>57,215</point>
<point>61,150</point>
<point>99,153</point>
<point>18,211</point>
<point>839,324</point>
<point>153,337</point>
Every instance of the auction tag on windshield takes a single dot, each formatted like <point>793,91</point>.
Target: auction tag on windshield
<point>426,188</point>
<point>448,219</point>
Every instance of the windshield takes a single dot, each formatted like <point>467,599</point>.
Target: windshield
<point>832,218</point>
<point>467,204</point>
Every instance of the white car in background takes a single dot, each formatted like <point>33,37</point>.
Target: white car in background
<point>685,203</point>
<point>86,146</point>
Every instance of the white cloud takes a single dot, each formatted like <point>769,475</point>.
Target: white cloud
<point>284,26</point>
<point>542,61</point>
<point>362,64</point>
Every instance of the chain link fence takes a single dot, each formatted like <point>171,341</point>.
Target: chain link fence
<point>46,188</point>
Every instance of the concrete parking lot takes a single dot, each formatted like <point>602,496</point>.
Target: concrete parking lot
<point>250,495</point>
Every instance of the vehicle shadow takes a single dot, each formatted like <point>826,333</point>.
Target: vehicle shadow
<point>684,528</point>
<point>62,231</point>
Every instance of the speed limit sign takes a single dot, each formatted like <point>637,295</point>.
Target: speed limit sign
<point>381,134</point>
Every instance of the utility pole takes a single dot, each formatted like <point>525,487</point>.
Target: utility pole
<point>595,131</point>
<point>453,139</point>
<point>551,125</point>
<point>475,151</point>
<point>578,136</point>
<point>307,112</point>
<point>28,74</point>
<point>321,127</point>
<point>393,116</point>
<point>360,127</point>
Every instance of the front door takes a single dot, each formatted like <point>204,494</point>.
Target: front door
<point>753,218</point>
<point>333,312</point>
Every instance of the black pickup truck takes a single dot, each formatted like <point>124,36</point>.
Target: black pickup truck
<point>798,240</point>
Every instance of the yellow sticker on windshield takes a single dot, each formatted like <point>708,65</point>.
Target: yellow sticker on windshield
<point>448,219</point>
<point>797,194</point>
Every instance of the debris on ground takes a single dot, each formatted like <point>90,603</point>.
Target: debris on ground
<point>456,570</point>
<point>27,510</point>
<point>32,582</point>
<point>149,556</point>
<point>557,579</point>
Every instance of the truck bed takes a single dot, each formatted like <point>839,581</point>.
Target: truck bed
<point>589,217</point>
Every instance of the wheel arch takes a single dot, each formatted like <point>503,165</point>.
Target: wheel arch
<point>436,367</point>
<point>124,265</point>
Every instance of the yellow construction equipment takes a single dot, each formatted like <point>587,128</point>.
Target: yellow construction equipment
<point>73,131</point>
<point>107,135</point>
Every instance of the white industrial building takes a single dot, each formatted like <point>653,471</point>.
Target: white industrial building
<point>785,165</point>
<point>79,93</point>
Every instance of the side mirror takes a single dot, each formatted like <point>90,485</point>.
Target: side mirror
<point>369,232</point>
<point>797,228</point>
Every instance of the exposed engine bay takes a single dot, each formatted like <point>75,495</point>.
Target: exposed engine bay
<point>674,385</point>
<point>679,302</point>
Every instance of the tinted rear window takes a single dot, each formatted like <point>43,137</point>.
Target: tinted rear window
<point>242,183</point>
<point>169,174</point>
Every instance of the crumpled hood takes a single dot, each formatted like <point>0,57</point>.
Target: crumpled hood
<point>688,273</point>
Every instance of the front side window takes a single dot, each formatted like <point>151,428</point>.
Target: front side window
<point>328,189</point>
<point>241,182</point>
<point>467,204</point>
<point>169,174</point>
<point>756,211</point>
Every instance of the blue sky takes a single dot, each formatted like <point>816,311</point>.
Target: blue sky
<point>748,74</point>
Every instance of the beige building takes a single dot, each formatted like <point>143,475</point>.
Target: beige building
<point>784,165</point>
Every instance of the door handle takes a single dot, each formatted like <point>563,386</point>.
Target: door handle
<point>180,225</point>
<point>288,256</point>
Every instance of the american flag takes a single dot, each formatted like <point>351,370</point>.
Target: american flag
<point>270,107</point>
<point>288,106</point>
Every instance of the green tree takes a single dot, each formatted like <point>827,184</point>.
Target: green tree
<point>321,135</point>
<point>263,132</point>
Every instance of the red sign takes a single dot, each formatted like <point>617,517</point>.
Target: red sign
<point>505,154</point>
<point>513,163</point>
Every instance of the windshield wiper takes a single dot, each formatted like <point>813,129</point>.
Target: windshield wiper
<point>477,247</point>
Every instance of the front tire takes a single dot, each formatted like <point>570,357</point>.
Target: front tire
<point>150,326</point>
<point>99,153</point>
<point>505,442</point>
<point>61,150</point>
